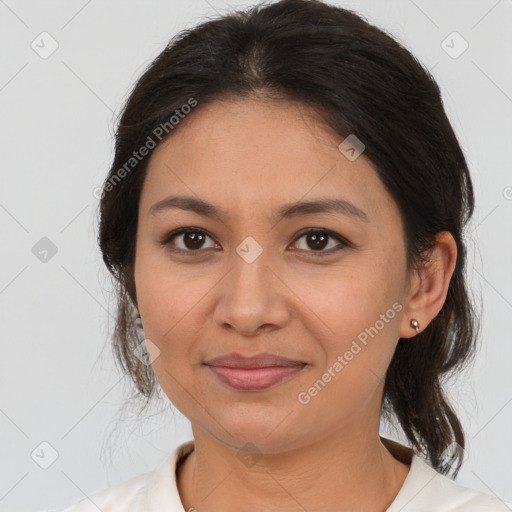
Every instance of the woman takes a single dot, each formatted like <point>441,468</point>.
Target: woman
<point>285,213</point>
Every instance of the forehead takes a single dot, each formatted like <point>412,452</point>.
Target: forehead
<point>249,153</point>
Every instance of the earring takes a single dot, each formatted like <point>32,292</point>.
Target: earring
<point>415,324</point>
<point>138,322</point>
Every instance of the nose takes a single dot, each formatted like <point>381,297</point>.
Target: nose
<point>253,297</point>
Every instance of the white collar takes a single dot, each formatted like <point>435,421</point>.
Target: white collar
<point>424,489</point>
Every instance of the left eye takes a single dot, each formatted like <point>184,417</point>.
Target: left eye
<point>193,240</point>
<point>317,239</point>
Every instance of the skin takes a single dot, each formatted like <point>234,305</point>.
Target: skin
<point>251,157</point>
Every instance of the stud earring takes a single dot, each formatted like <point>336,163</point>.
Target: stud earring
<point>415,324</point>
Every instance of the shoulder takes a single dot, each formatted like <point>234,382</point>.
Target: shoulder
<point>125,495</point>
<point>427,490</point>
<point>148,492</point>
<point>448,495</point>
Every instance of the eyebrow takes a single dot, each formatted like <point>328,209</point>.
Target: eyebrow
<point>202,207</point>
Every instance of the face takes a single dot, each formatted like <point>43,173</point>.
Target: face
<point>251,281</point>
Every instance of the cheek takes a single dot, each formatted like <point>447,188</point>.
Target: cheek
<point>356,319</point>
<point>357,344</point>
<point>164,294</point>
<point>170,303</point>
<point>168,310</point>
<point>345,299</point>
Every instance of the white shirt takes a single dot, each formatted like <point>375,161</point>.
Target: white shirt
<point>424,490</point>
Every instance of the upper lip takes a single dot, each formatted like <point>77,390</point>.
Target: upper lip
<point>235,360</point>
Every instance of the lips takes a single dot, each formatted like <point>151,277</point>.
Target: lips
<point>253,372</point>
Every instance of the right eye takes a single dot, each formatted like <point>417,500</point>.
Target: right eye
<point>192,239</point>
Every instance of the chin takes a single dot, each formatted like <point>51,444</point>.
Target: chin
<point>261,437</point>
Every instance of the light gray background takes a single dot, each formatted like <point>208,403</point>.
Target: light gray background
<point>57,120</point>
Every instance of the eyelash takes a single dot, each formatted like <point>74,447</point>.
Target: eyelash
<point>169,237</point>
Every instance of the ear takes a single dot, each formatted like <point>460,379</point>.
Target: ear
<point>428,288</point>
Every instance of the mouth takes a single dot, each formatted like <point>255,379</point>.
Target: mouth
<point>255,372</point>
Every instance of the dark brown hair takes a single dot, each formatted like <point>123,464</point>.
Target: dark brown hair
<point>361,81</point>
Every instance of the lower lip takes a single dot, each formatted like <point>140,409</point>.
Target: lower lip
<point>255,378</point>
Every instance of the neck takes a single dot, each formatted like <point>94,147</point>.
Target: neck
<point>343,471</point>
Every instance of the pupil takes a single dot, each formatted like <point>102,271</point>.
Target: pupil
<point>316,237</point>
<point>194,238</point>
